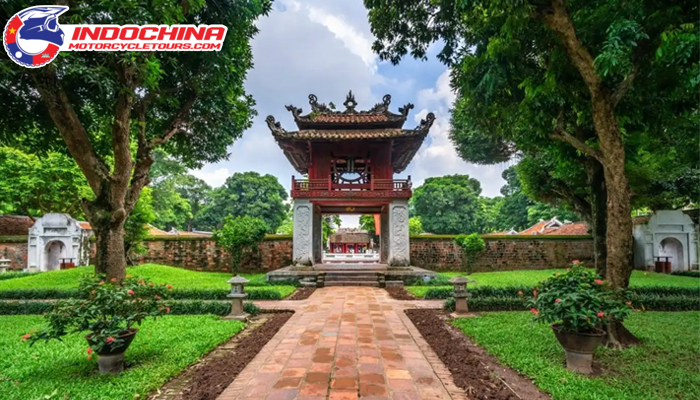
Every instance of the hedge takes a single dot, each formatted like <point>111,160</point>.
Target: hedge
<point>641,302</point>
<point>15,274</point>
<point>254,293</point>
<point>512,291</point>
<point>187,307</point>
<point>693,274</point>
<point>14,238</point>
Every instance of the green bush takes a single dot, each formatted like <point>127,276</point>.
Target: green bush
<point>512,291</point>
<point>471,245</point>
<point>15,274</point>
<point>251,309</point>
<point>254,293</point>
<point>693,274</point>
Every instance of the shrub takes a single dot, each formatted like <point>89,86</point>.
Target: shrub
<point>15,274</point>
<point>251,309</point>
<point>471,245</point>
<point>694,274</point>
<point>110,310</point>
<point>577,300</point>
<point>240,235</point>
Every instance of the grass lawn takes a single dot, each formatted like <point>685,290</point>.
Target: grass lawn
<point>60,370</point>
<point>664,367</point>
<point>533,277</point>
<point>180,278</point>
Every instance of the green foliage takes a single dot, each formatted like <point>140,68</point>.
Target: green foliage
<point>111,308</point>
<point>328,225</point>
<point>136,225</point>
<point>245,194</point>
<point>448,204</point>
<point>35,185</point>
<point>50,371</point>
<point>661,368</point>
<point>269,292</point>
<point>415,227</point>
<point>240,235</point>
<point>578,300</point>
<point>251,309</point>
<point>694,274</point>
<point>14,274</point>
<point>471,245</point>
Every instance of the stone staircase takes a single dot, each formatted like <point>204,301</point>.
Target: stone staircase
<point>351,278</point>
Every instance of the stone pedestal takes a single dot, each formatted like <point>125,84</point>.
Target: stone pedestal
<point>461,306</point>
<point>237,312</point>
<point>303,247</point>
<point>111,364</point>
<point>399,248</point>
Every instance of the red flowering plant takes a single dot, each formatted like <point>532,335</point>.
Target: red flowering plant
<point>578,301</point>
<point>107,310</point>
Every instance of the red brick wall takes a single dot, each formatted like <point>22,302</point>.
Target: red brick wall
<point>203,255</point>
<point>503,254</point>
<point>440,254</point>
<point>16,253</point>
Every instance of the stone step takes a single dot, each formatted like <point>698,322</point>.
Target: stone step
<point>352,283</point>
<point>371,278</point>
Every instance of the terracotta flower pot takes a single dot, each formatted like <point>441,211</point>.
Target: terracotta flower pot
<point>111,359</point>
<point>578,347</point>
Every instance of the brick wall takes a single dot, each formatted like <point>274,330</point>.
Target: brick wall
<point>16,252</point>
<point>442,254</point>
<point>437,253</point>
<point>203,255</point>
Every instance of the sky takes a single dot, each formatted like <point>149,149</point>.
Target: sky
<point>324,47</point>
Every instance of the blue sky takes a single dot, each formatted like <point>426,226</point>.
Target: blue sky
<point>324,47</point>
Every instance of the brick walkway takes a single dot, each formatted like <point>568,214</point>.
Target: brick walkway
<point>346,343</point>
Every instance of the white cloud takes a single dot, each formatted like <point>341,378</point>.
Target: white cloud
<point>213,177</point>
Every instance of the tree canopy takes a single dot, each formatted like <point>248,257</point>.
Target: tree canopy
<point>245,193</point>
<point>448,204</point>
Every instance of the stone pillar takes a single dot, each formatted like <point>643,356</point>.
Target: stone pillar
<point>399,250</point>
<point>302,252</point>
<point>317,235</point>
<point>384,235</point>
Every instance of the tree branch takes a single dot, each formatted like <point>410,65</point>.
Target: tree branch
<point>175,126</point>
<point>144,159</point>
<point>69,127</point>
<point>121,136</point>
<point>561,134</point>
<point>623,87</point>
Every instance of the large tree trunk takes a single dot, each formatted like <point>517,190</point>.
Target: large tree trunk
<point>598,201</point>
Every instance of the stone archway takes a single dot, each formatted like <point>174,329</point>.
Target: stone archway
<point>54,251</point>
<point>673,248</point>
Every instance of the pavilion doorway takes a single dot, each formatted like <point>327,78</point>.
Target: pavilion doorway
<point>349,245</point>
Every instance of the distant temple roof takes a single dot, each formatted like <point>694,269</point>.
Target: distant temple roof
<point>556,227</point>
<point>324,123</point>
<point>346,235</point>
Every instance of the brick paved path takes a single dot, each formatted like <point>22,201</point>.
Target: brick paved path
<point>346,343</point>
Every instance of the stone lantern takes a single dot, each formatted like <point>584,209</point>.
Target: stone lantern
<point>237,295</point>
<point>461,294</point>
<point>4,265</point>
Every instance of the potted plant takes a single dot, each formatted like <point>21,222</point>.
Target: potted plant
<point>579,306</point>
<point>109,311</point>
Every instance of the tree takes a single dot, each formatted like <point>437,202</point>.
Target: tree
<point>113,108</point>
<point>246,193</point>
<point>179,196</point>
<point>33,185</point>
<point>532,73</point>
<point>448,204</point>
<point>240,235</point>
<point>415,227</point>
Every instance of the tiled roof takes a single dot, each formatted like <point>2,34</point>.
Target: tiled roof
<point>15,224</point>
<point>350,118</point>
<point>352,237</point>
<point>349,134</point>
<point>84,225</point>
<point>557,228</point>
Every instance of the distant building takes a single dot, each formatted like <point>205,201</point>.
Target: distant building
<point>56,241</point>
<point>349,240</point>
<point>666,235</point>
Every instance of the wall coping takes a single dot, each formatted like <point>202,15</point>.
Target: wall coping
<point>506,237</point>
<point>170,238</point>
<point>14,238</point>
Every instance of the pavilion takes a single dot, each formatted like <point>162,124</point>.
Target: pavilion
<point>349,159</point>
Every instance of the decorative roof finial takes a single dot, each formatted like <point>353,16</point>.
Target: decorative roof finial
<point>405,109</point>
<point>315,105</point>
<point>350,103</point>
<point>274,126</point>
<point>426,123</point>
<point>382,107</point>
<point>294,110</point>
